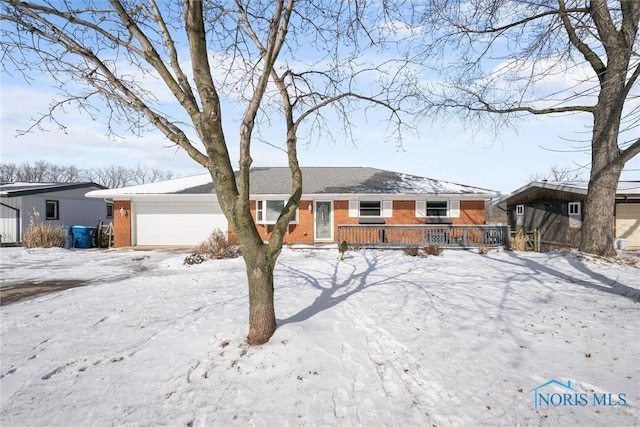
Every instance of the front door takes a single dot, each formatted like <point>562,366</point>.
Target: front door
<point>324,221</point>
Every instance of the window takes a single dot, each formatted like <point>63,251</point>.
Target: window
<point>370,208</point>
<point>52,209</point>
<point>109,210</point>
<point>574,208</point>
<point>268,211</point>
<point>437,208</point>
<point>520,210</point>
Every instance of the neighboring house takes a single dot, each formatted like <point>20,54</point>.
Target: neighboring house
<point>184,211</point>
<point>56,204</point>
<point>556,209</point>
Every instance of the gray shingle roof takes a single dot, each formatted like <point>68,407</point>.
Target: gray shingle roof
<point>315,180</point>
<point>345,180</point>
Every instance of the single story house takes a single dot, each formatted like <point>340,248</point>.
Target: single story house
<point>55,204</point>
<point>555,208</point>
<point>184,211</point>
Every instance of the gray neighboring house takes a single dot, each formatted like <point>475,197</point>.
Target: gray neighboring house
<point>56,204</point>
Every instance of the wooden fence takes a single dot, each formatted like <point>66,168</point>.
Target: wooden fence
<point>444,236</point>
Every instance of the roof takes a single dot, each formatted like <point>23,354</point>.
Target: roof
<point>17,189</point>
<point>624,189</point>
<point>316,180</point>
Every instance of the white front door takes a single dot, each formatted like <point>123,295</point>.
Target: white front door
<point>323,223</point>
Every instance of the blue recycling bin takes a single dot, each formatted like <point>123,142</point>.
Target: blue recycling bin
<point>68,237</point>
<point>84,236</point>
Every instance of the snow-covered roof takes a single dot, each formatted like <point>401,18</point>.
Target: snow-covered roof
<point>16,189</point>
<point>316,180</point>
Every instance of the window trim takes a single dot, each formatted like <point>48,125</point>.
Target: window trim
<point>261,212</point>
<point>453,208</point>
<point>574,205</point>
<point>519,210</point>
<point>110,210</point>
<point>56,207</point>
<point>386,208</point>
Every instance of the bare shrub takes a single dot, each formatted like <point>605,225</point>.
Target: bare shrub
<point>519,242</point>
<point>483,249</point>
<point>432,250</point>
<point>218,246</point>
<point>344,247</point>
<point>412,251</point>
<point>40,235</point>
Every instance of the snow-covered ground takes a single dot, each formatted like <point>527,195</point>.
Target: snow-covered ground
<point>378,339</point>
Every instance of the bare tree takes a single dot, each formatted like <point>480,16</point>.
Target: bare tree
<point>558,173</point>
<point>283,63</point>
<point>504,60</point>
<point>8,172</point>
<point>111,176</point>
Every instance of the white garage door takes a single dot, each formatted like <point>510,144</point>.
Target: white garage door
<point>628,223</point>
<point>180,224</point>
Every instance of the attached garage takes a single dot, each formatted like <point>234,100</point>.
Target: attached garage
<point>628,224</point>
<point>175,224</point>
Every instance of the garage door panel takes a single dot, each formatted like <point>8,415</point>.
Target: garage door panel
<point>184,224</point>
<point>628,223</point>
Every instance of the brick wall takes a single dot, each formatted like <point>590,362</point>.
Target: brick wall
<point>471,213</point>
<point>404,212</point>
<point>302,232</point>
<point>121,224</point>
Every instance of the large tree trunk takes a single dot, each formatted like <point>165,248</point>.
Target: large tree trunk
<point>597,232</point>
<point>607,163</point>
<point>262,319</point>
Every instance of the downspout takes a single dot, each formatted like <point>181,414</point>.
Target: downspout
<point>17,221</point>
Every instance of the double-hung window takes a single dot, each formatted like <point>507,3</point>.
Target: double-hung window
<point>52,209</point>
<point>370,208</point>
<point>437,208</point>
<point>447,208</point>
<point>574,208</point>
<point>268,211</point>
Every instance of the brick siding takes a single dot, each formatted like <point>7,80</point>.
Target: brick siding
<point>121,224</point>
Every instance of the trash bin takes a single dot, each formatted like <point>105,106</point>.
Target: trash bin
<point>83,236</point>
<point>68,237</point>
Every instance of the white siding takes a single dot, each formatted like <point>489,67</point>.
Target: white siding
<point>10,219</point>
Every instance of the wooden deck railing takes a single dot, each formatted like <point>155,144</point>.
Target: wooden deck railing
<point>444,236</point>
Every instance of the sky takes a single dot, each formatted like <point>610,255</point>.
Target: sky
<point>445,151</point>
<point>448,153</point>
<point>381,338</point>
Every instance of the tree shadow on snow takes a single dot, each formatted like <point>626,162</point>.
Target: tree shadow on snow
<point>594,279</point>
<point>333,290</point>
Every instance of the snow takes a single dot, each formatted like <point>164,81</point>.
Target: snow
<point>378,339</point>
<point>419,185</point>
<point>162,187</point>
